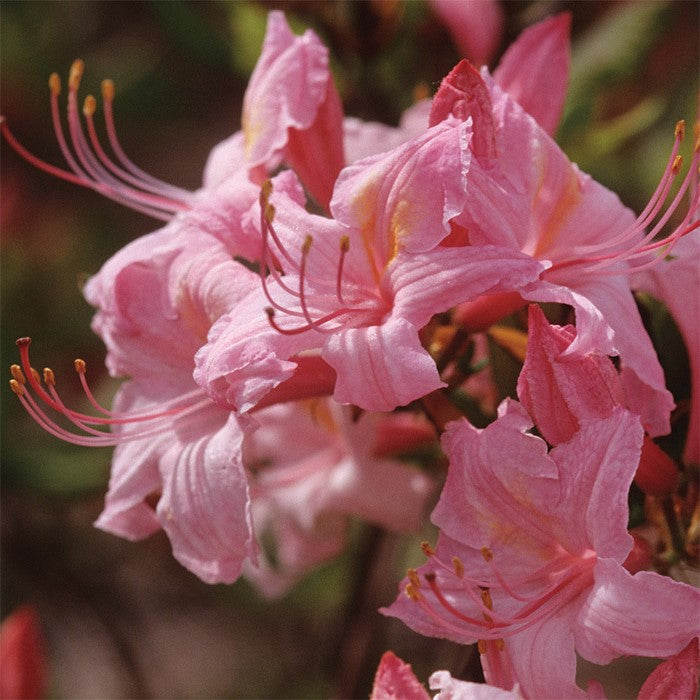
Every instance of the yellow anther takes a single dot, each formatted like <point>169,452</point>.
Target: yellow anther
<point>55,84</point>
<point>482,645</point>
<point>79,365</point>
<point>16,387</point>
<point>677,164</point>
<point>486,598</point>
<point>265,191</point>
<point>76,74</point>
<point>35,374</point>
<point>680,129</point>
<point>306,245</point>
<point>89,106</point>
<point>486,553</point>
<point>413,578</point>
<point>18,374</point>
<point>427,549</point>
<point>413,593</point>
<point>458,567</point>
<point>269,213</point>
<point>500,644</point>
<point>345,243</point>
<point>49,377</point>
<point>107,90</point>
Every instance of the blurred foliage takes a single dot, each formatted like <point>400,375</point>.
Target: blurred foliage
<point>123,619</point>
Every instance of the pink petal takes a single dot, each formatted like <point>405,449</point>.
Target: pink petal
<point>543,658</point>
<point>225,159</point>
<point>205,507</point>
<point>559,392</point>
<point>405,198</point>
<point>675,282</point>
<point>642,376</point>
<point>535,69</point>
<point>642,615</point>
<point>463,94</point>
<point>454,689</point>
<point>369,376</point>
<point>675,678</point>
<point>476,26</point>
<point>596,468</point>
<point>512,485</point>
<point>395,680</point>
<point>428,283</point>
<point>286,89</point>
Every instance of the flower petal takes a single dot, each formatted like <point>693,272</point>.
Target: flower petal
<point>205,506</point>
<point>381,367</point>
<point>642,615</point>
<point>535,69</point>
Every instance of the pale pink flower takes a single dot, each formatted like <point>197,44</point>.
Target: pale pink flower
<point>360,286</point>
<point>311,467</point>
<point>531,564</point>
<point>525,194</point>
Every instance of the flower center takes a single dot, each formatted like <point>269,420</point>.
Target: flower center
<point>313,290</point>
<point>465,604</point>
<point>89,164</point>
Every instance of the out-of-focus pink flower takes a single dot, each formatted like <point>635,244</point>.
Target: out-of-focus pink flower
<point>524,193</point>
<point>23,671</point>
<point>676,677</point>
<point>476,26</point>
<point>311,467</point>
<point>395,680</point>
<point>531,564</point>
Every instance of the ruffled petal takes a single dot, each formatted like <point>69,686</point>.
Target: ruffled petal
<point>596,468</point>
<point>642,615</point>
<point>381,367</point>
<point>205,506</point>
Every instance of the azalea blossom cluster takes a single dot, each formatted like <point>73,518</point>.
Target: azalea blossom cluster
<point>306,318</point>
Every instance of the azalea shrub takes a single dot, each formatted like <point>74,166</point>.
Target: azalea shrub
<point>436,349</point>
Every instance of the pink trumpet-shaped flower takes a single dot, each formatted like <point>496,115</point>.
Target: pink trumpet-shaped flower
<point>524,193</point>
<point>531,563</point>
<point>676,677</point>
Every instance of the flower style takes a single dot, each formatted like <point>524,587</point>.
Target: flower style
<point>524,193</point>
<point>531,563</point>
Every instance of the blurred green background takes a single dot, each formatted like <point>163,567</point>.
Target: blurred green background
<point>123,619</point>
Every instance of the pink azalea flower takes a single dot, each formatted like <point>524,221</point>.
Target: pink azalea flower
<point>361,283</point>
<point>531,564</point>
<point>22,650</point>
<point>311,468</point>
<point>525,194</point>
